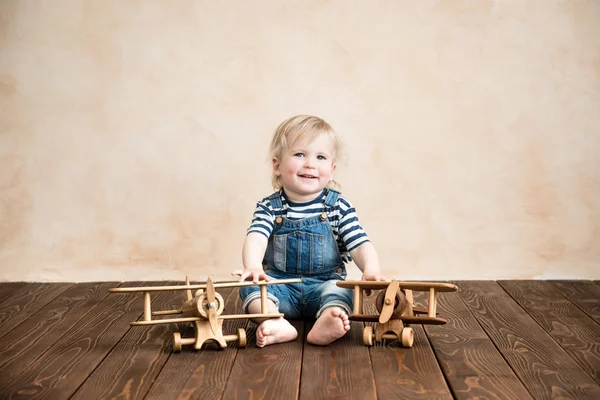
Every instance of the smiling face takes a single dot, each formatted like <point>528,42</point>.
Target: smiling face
<point>306,167</point>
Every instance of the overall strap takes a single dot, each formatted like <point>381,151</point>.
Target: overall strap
<point>275,200</point>
<point>332,197</point>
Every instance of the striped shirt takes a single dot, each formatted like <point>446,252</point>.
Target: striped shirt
<point>343,219</point>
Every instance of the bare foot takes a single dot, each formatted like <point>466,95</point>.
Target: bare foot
<point>275,330</point>
<point>331,325</point>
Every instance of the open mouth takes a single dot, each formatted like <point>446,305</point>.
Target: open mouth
<point>308,176</point>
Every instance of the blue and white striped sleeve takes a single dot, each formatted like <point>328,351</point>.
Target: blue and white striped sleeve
<point>262,220</point>
<point>350,231</point>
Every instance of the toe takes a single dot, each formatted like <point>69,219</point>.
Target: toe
<point>336,312</point>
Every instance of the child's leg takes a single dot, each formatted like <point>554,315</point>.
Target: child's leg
<point>332,324</point>
<point>272,330</point>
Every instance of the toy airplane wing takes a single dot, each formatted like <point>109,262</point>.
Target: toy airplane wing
<point>416,286</point>
<point>408,319</point>
<point>199,286</point>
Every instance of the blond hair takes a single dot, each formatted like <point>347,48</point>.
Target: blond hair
<point>294,128</point>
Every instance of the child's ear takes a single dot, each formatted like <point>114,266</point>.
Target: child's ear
<point>333,167</point>
<point>275,162</point>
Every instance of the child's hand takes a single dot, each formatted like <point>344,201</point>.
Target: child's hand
<point>255,274</point>
<point>372,276</point>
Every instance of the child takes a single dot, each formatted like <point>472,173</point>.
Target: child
<point>305,229</point>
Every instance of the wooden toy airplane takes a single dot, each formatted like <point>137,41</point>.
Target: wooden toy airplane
<point>395,308</point>
<point>204,310</point>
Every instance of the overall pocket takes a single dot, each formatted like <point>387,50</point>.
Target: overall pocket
<point>298,253</point>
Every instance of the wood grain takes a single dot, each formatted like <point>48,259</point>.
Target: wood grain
<point>470,361</point>
<point>131,367</point>
<point>28,341</point>
<point>79,344</point>
<point>543,367</point>
<point>201,374</point>
<point>8,288</point>
<point>26,301</point>
<point>271,372</point>
<point>584,294</point>
<point>570,327</point>
<point>341,369</point>
<point>67,364</point>
<point>406,373</point>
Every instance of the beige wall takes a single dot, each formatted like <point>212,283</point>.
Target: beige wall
<point>133,135</point>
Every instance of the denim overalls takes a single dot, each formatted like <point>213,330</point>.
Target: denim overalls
<point>303,249</point>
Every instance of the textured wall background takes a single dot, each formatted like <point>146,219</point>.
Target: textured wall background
<point>133,135</point>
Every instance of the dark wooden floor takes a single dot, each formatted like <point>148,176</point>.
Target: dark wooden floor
<point>504,340</point>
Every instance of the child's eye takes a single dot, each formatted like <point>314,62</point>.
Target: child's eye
<point>321,158</point>
<point>299,155</point>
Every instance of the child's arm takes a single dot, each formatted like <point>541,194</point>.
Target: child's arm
<point>367,261</point>
<point>253,253</point>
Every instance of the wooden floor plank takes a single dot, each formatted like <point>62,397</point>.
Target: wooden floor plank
<point>405,373</point>
<point>28,341</point>
<point>8,288</point>
<point>202,374</point>
<point>584,294</point>
<point>26,302</point>
<point>471,363</point>
<point>339,370</point>
<point>494,346</point>
<point>132,366</point>
<point>543,367</point>
<point>408,373</point>
<point>67,364</point>
<point>271,372</point>
<point>570,327</point>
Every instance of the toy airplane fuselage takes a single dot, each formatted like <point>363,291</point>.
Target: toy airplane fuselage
<point>395,308</point>
<point>204,310</point>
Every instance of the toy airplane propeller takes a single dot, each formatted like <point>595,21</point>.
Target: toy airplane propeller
<point>212,308</point>
<point>396,309</point>
<point>204,310</point>
<point>388,308</point>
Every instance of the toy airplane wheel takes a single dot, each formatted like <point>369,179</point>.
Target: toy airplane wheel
<point>241,337</point>
<point>408,337</point>
<point>177,342</point>
<point>368,336</point>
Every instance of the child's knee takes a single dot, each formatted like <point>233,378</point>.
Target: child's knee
<point>255,306</point>
<point>331,292</point>
<point>251,302</point>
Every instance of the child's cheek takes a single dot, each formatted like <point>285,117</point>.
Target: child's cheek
<point>292,169</point>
